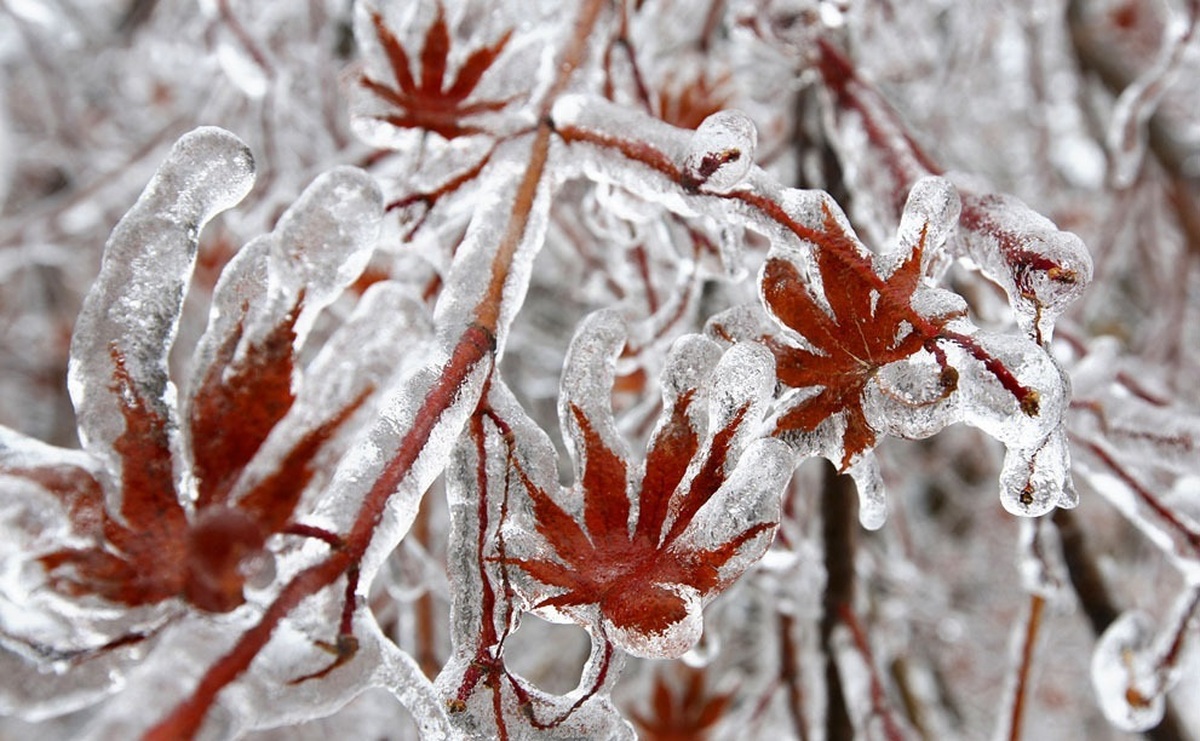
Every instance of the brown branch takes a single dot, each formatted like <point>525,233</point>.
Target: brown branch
<point>1037,604</point>
<point>789,670</point>
<point>476,345</point>
<point>839,509</point>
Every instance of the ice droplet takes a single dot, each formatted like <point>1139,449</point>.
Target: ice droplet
<point>1034,481</point>
<point>872,501</point>
<point>721,152</point>
<point>1123,674</point>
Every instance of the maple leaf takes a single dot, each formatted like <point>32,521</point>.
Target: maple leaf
<point>153,551</point>
<point>244,480</point>
<point>681,716</point>
<point>649,581</point>
<point>429,103</point>
<point>869,323</point>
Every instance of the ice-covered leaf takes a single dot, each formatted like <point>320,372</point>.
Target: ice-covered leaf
<point>129,319</point>
<point>644,577</point>
<point>839,340</point>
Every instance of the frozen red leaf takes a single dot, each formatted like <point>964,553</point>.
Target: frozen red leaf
<point>676,714</point>
<point>870,322</point>
<point>431,104</point>
<point>648,577</point>
<point>237,404</point>
<point>147,562</point>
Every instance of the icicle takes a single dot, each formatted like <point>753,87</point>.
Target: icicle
<point>872,500</point>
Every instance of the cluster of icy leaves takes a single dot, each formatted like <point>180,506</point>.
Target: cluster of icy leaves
<point>904,397</point>
<point>630,212</point>
<point>120,385</point>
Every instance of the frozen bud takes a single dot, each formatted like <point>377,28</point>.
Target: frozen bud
<point>1123,674</point>
<point>721,152</point>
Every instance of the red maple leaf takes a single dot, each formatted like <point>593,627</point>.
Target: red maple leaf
<point>644,577</point>
<point>153,551</point>
<point>870,323</point>
<point>681,716</point>
<point>429,103</point>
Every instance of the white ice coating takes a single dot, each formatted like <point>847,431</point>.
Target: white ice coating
<point>378,445</point>
<point>325,239</point>
<point>907,399</point>
<point>721,151</point>
<point>749,496</point>
<point>929,219</point>
<point>587,382</point>
<point>495,210</point>
<point>240,290</point>
<point>1035,476</point>
<point>1124,674</point>
<point>133,307</point>
<point>1041,268</point>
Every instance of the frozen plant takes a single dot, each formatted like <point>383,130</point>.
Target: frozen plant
<point>523,370</point>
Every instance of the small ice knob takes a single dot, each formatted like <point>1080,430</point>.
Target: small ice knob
<point>720,153</point>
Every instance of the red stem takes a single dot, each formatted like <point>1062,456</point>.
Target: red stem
<point>1017,716</point>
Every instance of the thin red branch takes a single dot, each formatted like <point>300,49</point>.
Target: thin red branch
<point>1168,517</point>
<point>646,154</point>
<point>1037,604</point>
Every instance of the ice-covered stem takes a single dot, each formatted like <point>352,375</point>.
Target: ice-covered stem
<point>1033,624</point>
<point>1178,527</point>
<point>905,160</point>
<point>839,505</point>
<point>487,664</point>
<point>475,346</point>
